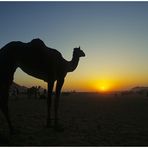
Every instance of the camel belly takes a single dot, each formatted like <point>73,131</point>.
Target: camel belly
<point>40,74</point>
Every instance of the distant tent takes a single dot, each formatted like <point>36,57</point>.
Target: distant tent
<point>140,90</point>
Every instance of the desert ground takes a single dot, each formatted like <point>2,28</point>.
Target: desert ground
<point>89,119</point>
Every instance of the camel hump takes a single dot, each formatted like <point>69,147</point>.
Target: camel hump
<point>37,43</point>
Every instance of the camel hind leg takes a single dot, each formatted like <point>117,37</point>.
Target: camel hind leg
<point>49,102</point>
<point>4,94</point>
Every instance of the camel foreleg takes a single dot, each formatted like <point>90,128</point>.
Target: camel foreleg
<point>56,101</point>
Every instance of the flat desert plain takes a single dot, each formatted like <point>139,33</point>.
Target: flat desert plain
<point>89,119</point>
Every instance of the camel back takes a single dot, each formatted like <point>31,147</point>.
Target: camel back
<point>34,58</point>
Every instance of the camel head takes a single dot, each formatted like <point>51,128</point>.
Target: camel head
<point>78,52</point>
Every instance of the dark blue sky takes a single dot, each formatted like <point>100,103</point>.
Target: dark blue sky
<point>114,36</point>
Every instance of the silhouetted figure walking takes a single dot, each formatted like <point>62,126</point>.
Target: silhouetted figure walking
<point>40,61</point>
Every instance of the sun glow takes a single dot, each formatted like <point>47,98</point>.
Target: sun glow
<point>103,86</point>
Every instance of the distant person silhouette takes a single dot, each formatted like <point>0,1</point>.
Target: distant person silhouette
<point>40,61</point>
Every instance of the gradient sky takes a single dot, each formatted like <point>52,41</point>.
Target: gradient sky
<point>114,36</point>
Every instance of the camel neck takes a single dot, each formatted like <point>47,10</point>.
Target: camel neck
<point>72,65</point>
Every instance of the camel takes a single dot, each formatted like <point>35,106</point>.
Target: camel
<point>37,60</point>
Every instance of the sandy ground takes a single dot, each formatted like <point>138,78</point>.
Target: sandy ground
<point>88,119</point>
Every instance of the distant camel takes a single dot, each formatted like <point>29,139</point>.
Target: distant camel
<point>40,61</point>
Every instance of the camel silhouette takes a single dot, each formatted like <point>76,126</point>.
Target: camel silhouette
<point>40,61</point>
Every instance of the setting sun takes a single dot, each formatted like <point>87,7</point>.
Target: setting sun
<point>103,87</point>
